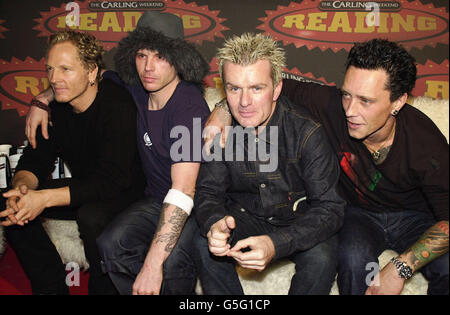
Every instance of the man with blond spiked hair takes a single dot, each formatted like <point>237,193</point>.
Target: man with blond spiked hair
<point>271,191</point>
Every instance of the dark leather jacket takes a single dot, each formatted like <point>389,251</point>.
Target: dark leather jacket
<point>306,167</point>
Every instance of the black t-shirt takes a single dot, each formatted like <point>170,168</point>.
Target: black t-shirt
<point>414,175</point>
<point>169,135</point>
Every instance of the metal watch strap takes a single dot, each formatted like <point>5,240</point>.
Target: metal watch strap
<point>404,271</point>
<point>223,105</point>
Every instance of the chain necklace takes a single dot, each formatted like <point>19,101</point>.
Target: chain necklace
<point>376,153</point>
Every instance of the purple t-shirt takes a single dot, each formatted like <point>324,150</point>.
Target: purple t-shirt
<point>169,135</point>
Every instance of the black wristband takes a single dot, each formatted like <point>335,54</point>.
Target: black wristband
<point>37,103</point>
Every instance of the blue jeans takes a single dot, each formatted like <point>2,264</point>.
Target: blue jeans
<point>365,235</point>
<point>315,267</point>
<point>125,243</point>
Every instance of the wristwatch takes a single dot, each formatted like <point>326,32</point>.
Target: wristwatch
<point>224,105</point>
<point>404,271</point>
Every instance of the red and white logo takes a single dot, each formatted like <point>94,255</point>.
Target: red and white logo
<point>20,81</point>
<point>110,21</point>
<point>336,25</point>
<point>432,80</point>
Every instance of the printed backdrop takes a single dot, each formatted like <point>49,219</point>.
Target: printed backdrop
<point>315,34</point>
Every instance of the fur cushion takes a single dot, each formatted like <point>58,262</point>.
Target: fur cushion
<point>66,238</point>
<point>275,280</point>
<point>64,234</point>
<point>436,110</point>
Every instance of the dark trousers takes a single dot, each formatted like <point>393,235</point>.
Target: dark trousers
<point>126,241</point>
<point>365,235</point>
<point>39,257</point>
<point>315,268</point>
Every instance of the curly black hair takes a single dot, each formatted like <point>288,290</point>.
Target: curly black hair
<point>187,61</point>
<point>383,54</point>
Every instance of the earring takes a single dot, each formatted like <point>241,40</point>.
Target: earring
<point>395,112</point>
<point>92,83</point>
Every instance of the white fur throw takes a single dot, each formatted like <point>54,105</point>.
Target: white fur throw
<point>436,110</point>
<point>276,278</point>
<point>66,237</point>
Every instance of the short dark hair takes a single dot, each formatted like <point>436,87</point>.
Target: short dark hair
<point>382,54</point>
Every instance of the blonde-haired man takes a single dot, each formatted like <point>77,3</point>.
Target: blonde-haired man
<point>94,131</point>
<point>246,202</point>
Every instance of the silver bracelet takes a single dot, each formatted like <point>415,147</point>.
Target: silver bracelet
<point>223,105</point>
<point>404,271</point>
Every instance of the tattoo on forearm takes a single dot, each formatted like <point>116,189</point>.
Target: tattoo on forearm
<point>177,221</point>
<point>432,244</point>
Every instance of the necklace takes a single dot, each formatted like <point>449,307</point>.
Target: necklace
<point>376,153</point>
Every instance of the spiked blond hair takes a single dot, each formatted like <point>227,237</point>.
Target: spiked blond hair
<point>248,49</point>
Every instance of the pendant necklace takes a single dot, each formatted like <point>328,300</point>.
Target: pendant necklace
<point>376,153</point>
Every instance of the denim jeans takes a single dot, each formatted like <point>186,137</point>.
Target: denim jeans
<point>365,235</point>
<point>125,243</point>
<point>315,267</point>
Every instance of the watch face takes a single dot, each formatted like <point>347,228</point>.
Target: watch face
<point>404,271</point>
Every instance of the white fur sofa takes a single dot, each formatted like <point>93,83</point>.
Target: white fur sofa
<point>276,278</point>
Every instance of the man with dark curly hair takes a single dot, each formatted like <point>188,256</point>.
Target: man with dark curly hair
<point>94,131</point>
<point>394,176</point>
<point>164,74</point>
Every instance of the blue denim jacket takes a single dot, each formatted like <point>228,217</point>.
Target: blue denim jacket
<point>298,195</point>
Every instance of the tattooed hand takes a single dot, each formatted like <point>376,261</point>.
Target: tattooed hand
<point>170,226</point>
<point>176,222</point>
<point>432,244</point>
<point>386,282</point>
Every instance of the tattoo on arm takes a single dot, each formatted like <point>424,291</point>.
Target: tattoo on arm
<point>432,244</point>
<point>177,221</point>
